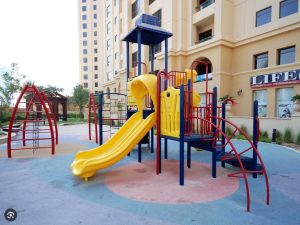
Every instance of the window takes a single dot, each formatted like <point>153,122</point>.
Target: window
<point>95,67</point>
<point>116,19</point>
<point>261,97</point>
<point>95,25</point>
<point>108,77</point>
<point>85,51</point>
<point>108,27</point>
<point>115,3</point>
<point>288,7</point>
<point>85,68</point>
<point>96,84</point>
<point>95,50</point>
<point>85,60</point>
<point>286,55</point>
<point>116,38</point>
<point>84,17</point>
<point>85,85</point>
<point>83,8</point>
<point>206,35</point>
<point>108,44</point>
<point>156,49</point>
<point>84,43</point>
<point>261,60</point>
<point>95,33</point>
<point>116,56</point>
<point>158,15</point>
<point>284,103</point>
<point>134,59</point>
<point>85,77</point>
<point>95,16</point>
<point>95,59</point>
<point>96,76</point>
<point>108,11</point>
<point>95,42</point>
<point>84,34</point>
<point>83,1</point>
<point>135,9</point>
<point>151,1</point>
<point>205,3</point>
<point>263,16</point>
<point>94,7</point>
<point>108,60</point>
<point>84,25</point>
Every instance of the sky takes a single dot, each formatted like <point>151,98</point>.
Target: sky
<point>42,36</point>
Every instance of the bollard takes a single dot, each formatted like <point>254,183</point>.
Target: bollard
<point>274,136</point>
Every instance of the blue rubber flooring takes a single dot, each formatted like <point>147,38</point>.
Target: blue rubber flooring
<point>43,191</point>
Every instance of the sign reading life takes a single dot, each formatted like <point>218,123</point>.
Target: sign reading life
<point>276,79</point>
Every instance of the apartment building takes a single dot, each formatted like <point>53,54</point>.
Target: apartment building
<point>252,47</point>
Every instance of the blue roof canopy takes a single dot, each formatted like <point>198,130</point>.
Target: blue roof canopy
<point>151,33</point>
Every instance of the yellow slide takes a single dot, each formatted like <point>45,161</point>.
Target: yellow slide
<point>87,163</point>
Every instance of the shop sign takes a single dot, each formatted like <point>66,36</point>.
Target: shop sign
<point>276,79</point>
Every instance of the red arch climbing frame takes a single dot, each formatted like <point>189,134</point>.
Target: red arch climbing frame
<point>44,107</point>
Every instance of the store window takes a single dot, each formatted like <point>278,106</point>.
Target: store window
<point>261,60</point>
<point>261,97</point>
<point>284,103</point>
<point>288,7</point>
<point>286,55</point>
<point>263,16</point>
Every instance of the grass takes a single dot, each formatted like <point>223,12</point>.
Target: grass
<point>72,121</point>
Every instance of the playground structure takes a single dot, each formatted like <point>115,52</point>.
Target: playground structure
<point>175,112</point>
<point>37,123</point>
<point>106,109</point>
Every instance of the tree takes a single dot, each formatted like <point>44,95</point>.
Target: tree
<point>80,98</point>
<point>51,88</point>
<point>11,83</point>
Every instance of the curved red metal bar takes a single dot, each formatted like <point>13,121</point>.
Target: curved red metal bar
<point>237,154</point>
<point>53,115</point>
<point>36,93</point>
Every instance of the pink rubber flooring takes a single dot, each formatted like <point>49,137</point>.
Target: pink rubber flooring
<point>139,182</point>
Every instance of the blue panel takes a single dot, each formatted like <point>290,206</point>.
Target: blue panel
<point>147,19</point>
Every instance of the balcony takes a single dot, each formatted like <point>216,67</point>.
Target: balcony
<point>203,30</point>
<point>202,4</point>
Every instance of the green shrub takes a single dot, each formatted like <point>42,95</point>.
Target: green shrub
<point>244,129</point>
<point>73,115</point>
<point>287,135</point>
<point>228,131</point>
<point>278,138</point>
<point>298,139</point>
<point>264,134</point>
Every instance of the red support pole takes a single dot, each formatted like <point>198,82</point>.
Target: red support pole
<point>52,113</point>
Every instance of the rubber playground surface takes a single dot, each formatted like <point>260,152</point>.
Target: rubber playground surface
<point>44,191</point>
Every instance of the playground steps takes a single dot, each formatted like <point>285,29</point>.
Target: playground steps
<point>247,161</point>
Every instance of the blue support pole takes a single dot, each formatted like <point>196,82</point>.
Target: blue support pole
<point>188,155</point>
<point>255,136</point>
<point>152,58</point>
<point>166,61</point>
<point>223,130</point>
<point>127,60</point>
<point>166,148</point>
<point>214,121</point>
<point>139,63</point>
<point>181,137</point>
<point>100,118</point>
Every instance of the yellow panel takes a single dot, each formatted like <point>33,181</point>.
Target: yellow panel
<point>170,110</point>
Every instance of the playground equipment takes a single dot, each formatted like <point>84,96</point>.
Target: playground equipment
<point>38,122</point>
<point>177,117</point>
<point>110,110</point>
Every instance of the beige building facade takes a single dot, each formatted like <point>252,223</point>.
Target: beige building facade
<point>253,47</point>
